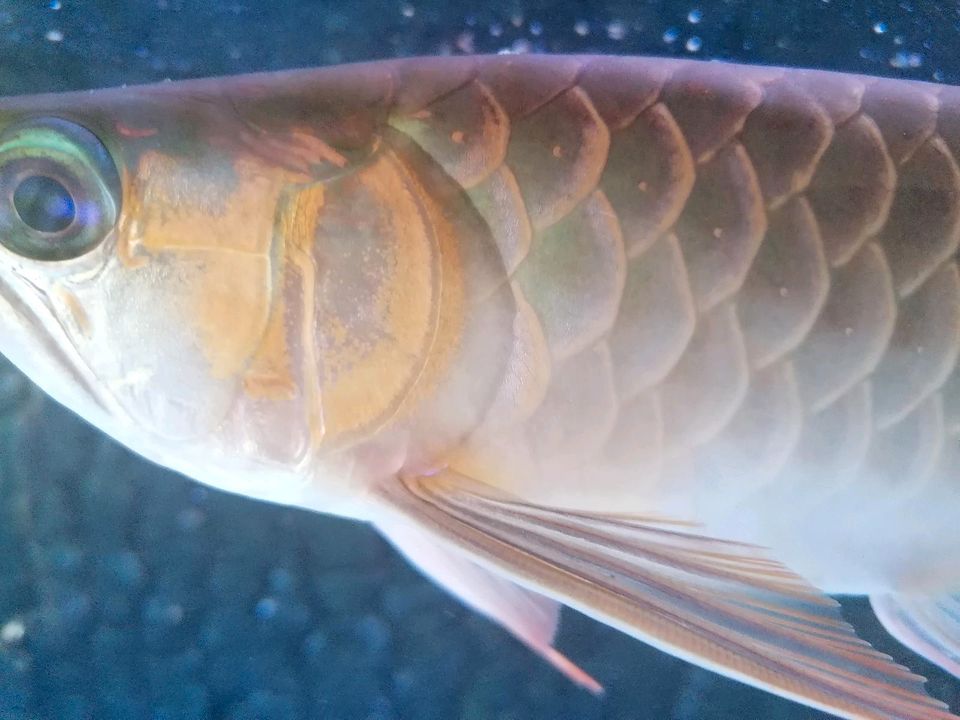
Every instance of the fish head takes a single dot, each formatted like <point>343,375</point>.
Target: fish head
<point>136,262</point>
<point>199,270</point>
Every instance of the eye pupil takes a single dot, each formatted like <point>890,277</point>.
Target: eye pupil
<point>44,204</point>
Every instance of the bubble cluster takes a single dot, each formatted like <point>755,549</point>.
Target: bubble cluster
<point>902,59</point>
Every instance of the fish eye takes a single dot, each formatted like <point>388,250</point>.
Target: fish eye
<point>59,190</point>
<point>44,204</point>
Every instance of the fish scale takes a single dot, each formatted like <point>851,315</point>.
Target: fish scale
<point>754,225</point>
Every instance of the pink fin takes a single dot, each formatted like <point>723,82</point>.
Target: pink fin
<point>528,616</point>
<point>930,626</point>
<point>723,605</point>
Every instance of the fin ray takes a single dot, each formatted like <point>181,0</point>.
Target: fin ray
<point>928,626</point>
<point>528,616</point>
<point>723,605</point>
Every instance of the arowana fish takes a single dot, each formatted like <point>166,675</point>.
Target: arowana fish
<point>672,343</point>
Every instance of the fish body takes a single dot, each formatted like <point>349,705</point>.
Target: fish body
<point>674,343</point>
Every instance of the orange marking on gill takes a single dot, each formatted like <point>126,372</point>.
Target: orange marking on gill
<point>128,253</point>
<point>231,303</point>
<point>192,206</point>
<point>210,220</point>
<point>378,248</point>
<point>128,226</point>
<point>269,375</point>
<point>297,231</point>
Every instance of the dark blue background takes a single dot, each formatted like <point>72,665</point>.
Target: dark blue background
<point>142,595</point>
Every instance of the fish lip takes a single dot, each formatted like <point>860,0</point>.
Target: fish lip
<point>55,343</point>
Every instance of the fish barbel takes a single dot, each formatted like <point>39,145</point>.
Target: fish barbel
<point>672,343</point>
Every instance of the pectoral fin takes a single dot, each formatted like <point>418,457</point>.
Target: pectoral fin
<point>528,616</point>
<point>928,626</point>
<point>719,604</point>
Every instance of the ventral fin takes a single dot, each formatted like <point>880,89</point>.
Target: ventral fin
<point>527,615</point>
<point>930,626</point>
<point>723,605</point>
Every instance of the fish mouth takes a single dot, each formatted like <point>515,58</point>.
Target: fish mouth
<point>49,339</point>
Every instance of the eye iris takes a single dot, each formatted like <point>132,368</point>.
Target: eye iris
<point>44,204</point>
<point>60,192</point>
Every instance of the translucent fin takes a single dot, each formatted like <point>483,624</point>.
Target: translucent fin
<point>719,604</point>
<point>528,616</point>
<point>928,626</point>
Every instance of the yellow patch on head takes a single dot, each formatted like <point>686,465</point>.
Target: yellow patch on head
<point>210,222</point>
<point>228,206</point>
<point>232,304</point>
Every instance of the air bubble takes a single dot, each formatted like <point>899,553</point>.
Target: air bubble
<point>903,60</point>
<point>464,43</point>
<point>266,608</point>
<point>616,30</point>
<point>13,632</point>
